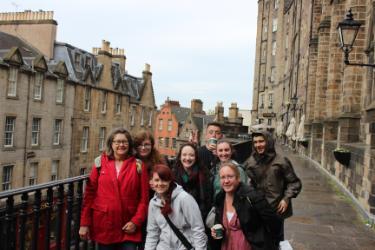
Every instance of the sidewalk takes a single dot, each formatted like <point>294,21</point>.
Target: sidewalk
<point>324,217</point>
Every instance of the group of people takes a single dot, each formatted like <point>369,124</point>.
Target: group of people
<point>135,199</point>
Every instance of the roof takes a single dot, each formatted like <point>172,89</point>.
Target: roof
<point>181,113</point>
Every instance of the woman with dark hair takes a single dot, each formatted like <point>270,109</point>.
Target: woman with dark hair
<point>225,152</point>
<point>193,177</point>
<point>116,196</point>
<point>144,144</point>
<point>248,221</point>
<point>171,201</point>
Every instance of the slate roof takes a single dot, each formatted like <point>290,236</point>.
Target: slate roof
<point>181,113</point>
<point>88,66</point>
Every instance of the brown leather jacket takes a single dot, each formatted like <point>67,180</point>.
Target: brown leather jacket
<point>274,174</point>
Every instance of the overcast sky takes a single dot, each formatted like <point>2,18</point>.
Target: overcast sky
<point>201,49</point>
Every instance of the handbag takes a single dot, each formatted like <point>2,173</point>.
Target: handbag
<point>210,219</point>
<point>285,245</point>
<point>179,235</point>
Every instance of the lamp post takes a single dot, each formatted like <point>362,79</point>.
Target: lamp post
<point>348,30</point>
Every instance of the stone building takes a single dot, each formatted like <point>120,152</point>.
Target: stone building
<point>300,70</point>
<point>61,101</point>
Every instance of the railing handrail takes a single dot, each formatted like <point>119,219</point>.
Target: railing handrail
<point>45,185</point>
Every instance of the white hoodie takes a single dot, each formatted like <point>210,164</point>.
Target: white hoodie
<point>186,217</point>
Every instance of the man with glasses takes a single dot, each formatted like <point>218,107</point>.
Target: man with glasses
<point>207,153</point>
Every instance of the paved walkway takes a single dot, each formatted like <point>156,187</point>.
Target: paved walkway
<point>324,217</point>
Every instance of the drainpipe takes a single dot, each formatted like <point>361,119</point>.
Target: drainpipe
<point>26,129</point>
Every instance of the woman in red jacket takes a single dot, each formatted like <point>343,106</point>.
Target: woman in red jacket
<point>116,196</point>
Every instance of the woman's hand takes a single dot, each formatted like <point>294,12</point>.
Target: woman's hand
<point>84,233</point>
<point>129,227</point>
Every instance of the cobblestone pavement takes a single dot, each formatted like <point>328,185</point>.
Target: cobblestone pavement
<point>324,218</point>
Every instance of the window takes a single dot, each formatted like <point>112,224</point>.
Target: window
<point>273,74</point>
<point>160,141</point>
<point>85,139</point>
<point>265,28</point>
<point>87,99</point>
<point>150,118</point>
<point>7,177</point>
<point>286,41</point>
<point>166,141</point>
<point>261,101</point>
<point>88,61</point>
<point>276,4</point>
<point>102,132</point>
<point>10,124</point>
<point>104,102</point>
<point>142,116</point>
<point>77,60</point>
<point>82,171</point>
<point>169,124</point>
<point>57,125</point>
<point>60,91</point>
<point>273,48</point>
<point>38,86</point>
<point>132,115</point>
<point>33,173</point>
<point>174,143</point>
<point>274,25</point>
<point>270,100</point>
<point>118,104</point>
<point>54,170</point>
<point>269,122</point>
<point>160,124</point>
<point>12,82</point>
<point>35,131</point>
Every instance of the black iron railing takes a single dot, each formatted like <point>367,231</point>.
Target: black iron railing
<point>45,216</point>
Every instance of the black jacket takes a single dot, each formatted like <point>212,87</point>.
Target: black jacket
<point>259,223</point>
<point>274,175</point>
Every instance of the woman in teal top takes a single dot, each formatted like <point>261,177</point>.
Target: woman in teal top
<point>225,152</point>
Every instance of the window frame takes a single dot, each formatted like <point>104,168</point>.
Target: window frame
<point>10,132</point>
<point>59,91</point>
<point>55,170</point>
<point>87,99</point>
<point>38,86</point>
<point>85,139</point>
<point>33,179</point>
<point>7,177</point>
<point>102,135</point>
<point>57,133</point>
<point>35,131</point>
<point>12,82</point>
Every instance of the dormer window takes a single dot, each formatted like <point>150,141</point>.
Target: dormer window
<point>88,62</point>
<point>77,60</point>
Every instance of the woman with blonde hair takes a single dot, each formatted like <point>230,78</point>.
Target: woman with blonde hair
<point>248,220</point>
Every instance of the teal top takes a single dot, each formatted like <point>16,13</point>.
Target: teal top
<point>216,181</point>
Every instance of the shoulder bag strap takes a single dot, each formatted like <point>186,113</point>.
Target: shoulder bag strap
<point>179,235</point>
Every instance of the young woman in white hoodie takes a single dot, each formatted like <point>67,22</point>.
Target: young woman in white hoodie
<point>172,201</point>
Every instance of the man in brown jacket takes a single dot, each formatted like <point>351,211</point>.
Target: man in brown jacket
<point>273,174</point>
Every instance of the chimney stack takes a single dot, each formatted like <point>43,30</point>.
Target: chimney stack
<point>219,112</point>
<point>196,106</point>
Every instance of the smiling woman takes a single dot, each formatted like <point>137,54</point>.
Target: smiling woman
<point>112,215</point>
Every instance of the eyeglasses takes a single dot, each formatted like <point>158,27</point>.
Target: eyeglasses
<point>119,142</point>
<point>228,177</point>
<point>146,146</point>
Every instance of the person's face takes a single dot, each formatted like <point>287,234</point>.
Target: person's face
<point>144,149</point>
<point>224,151</point>
<point>158,185</point>
<point>228,179</point>
<point>120,145</point>
<point>259,144</point>
<point>187,157</point>
<point>213,132</point>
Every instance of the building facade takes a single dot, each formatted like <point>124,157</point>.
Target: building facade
<point>60,102</point>
<point>300,76</point>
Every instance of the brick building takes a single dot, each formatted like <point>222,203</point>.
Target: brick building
<point>61,101</point>
<point>300,74</point>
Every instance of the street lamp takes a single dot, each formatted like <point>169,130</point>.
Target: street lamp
<point>348,30</point>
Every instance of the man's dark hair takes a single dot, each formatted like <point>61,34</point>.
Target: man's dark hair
<point>216,124</point>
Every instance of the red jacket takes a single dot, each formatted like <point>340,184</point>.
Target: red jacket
<point>110,202</point>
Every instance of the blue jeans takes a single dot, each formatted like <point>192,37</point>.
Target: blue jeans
<point>119,246</point>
